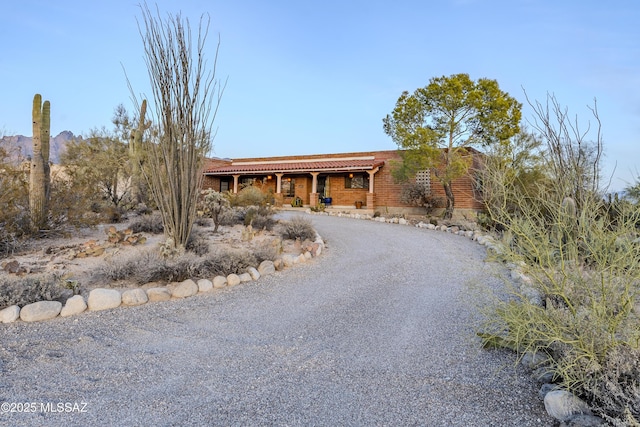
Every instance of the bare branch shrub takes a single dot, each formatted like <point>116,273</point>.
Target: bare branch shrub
<point>420,195</point>
<point>182,91</point>
<point>297,227</point>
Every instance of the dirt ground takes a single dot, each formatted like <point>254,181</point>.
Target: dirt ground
<point>80,252</point>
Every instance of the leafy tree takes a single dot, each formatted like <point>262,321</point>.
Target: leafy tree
<point>98,167</point>
<point>182,116</point>
<point>436,125</point>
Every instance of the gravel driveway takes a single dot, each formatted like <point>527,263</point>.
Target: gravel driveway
<point>375,332</point>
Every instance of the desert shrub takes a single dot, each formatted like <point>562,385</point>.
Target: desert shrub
<point>232,216</point>
<point>197,242</point>
<point>260,218</point>
<point>420,195</point>
<point>202,222</point>
<point>268,250</point>
<point>29,289</point>
<point>249,196</point>
<point>147,224</point>
<point>150,266</point>
<point>224,261</point>
<point>297,227</point>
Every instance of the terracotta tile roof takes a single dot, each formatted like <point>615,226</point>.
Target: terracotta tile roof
<point>302,166</point>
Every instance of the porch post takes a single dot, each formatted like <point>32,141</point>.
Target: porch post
<point>313,197</point>
<point>371,195</point>
<point>279,197</point>
<point>235,183</point>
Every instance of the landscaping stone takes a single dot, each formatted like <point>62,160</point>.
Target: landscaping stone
<point>74,305</point>
<point>254,273</point>
<point>287,260</point>
<point>307,255</point>
<point>245,277</point>
<point>300,258</point>
<point>205,285</point>
<point>134,297</point>
<point>233,279</point>
<point>184,289</point>
<point>158,294</point>
<point>10,314</point>
<point>563,406</point>
<point>103,299</point>
<point>219,282</point>
<point>278,264</point>
<point>266,267</point>
<point>41,310</point>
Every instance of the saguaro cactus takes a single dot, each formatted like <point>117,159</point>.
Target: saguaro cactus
<point>39,179</point>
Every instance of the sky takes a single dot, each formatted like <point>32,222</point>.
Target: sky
<point>314,77</point>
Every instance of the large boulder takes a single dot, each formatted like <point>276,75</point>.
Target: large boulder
<point>254,273</point>
<point>134,297</point>
<point>233,279</point>
<point>74,305</point>
<point>41,310</point>
<point>205,285</point>
<point>104,299</point>
<point>563,405</point>
<point>158,294</point>
<point>184,289</point>
<point>219,282</point>
<point>266,267</point>
<point>9,314</point>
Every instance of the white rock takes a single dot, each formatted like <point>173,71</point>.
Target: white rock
<point>219,282</point>
<point>205,285</point>
<point>74,305</point>
<point>431,226</point>
<point>233,279</point>
<point>158,294</point>
<point>266,267</point>
<point>254,273</point>
<point>403,221</point>
<point>134,297</point>
<point>10,314</point>
<point>562,405</point>
<point>103,299</point>
<point>184,289</point>
<point>288,260</point>
<point>41,310</point>
<point>301,258</point>
<point>244,277</point>
<point>308,255</point>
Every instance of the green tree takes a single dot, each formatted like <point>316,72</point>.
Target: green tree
<point>437,124</point>
<point>99,167</point>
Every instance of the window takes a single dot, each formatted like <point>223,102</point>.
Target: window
<point>289,187</point>
<point>224,185</point>
<point>356,180</point>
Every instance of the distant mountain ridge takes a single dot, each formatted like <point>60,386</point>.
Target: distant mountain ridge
<point>21,146</point>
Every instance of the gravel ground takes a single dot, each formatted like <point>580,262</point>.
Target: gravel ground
<point>377,331</point>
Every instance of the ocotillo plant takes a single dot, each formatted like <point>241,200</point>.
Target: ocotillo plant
<point>39,182</point>
<point>135,151</point>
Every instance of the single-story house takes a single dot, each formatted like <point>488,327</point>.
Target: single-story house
<point>344,181</point>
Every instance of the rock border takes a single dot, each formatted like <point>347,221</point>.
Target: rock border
<point>559,403</point>
<point>109,298</point>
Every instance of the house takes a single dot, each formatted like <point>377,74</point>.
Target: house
<point>344,181</point>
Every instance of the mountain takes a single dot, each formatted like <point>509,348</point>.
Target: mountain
<point>21,146</point>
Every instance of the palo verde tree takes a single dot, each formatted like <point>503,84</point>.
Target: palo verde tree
<point>437,124</point>
<point>186,96</point>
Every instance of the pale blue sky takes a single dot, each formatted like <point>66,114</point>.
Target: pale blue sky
<point>318,77</point>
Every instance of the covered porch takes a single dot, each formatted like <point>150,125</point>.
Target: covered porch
<point>338,183</point>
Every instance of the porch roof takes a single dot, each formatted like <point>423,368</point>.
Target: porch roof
<point>299,165</point>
